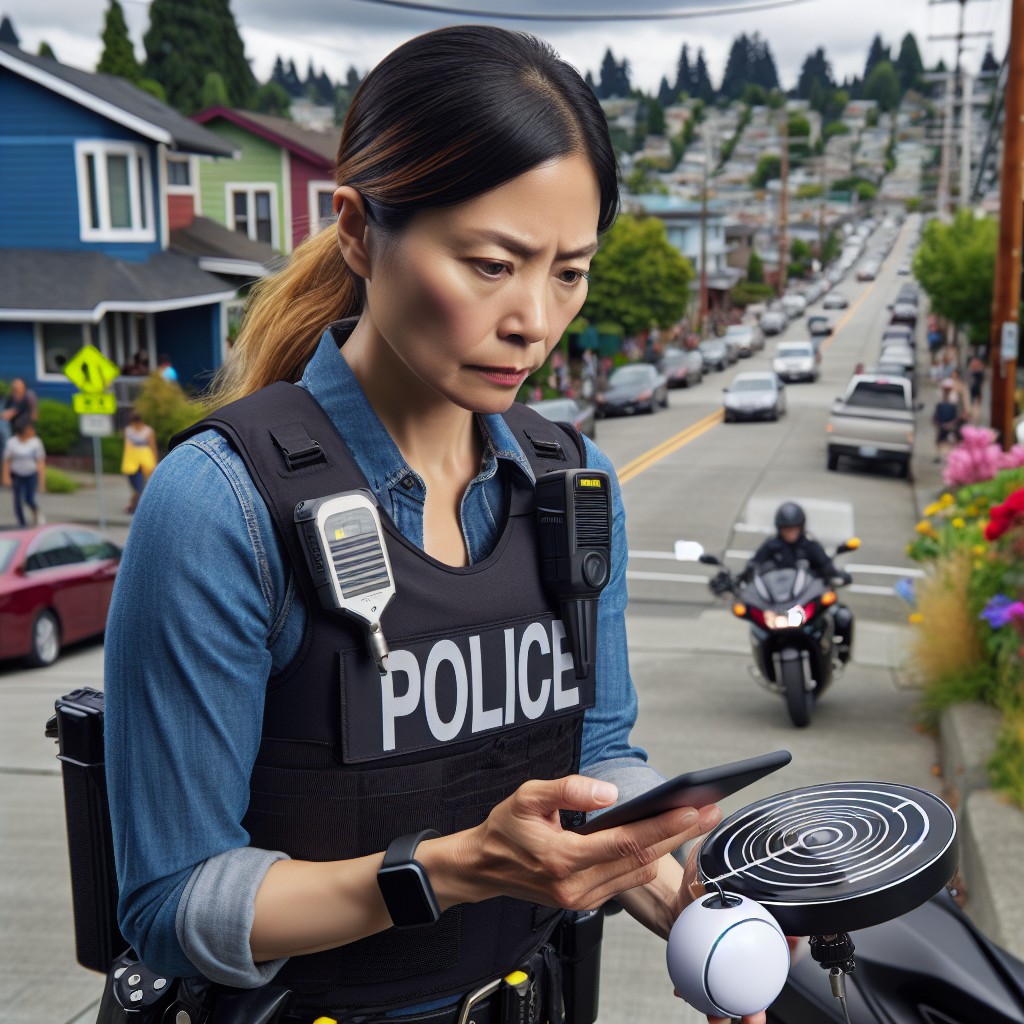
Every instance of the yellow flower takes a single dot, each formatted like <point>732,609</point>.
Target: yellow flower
<point>923,527</point>
<point>915,618</point>
<point>933,509</point>
<point>979,550</point>
<point>946,500</point>
<point>971,510</point>
<point>958,523</point>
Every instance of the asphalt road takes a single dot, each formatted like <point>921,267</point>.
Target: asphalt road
<point>698,705</point>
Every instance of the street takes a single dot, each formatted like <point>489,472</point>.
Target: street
<point>698,704</point>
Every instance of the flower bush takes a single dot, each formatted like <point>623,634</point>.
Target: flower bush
<point>969,615</point>
<point>978,457</point>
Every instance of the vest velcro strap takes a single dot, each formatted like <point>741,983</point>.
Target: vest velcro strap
<point>546,449</point>
<point>297,447</point>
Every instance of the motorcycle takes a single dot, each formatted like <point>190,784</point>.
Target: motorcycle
<point>929,966</point>
<point>793,618</point>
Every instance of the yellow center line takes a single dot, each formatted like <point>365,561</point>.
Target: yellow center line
<point>845,319</point>
<point>673,444</point>
<point>649,458</point>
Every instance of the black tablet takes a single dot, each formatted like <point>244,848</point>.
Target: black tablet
<point>691,789</point>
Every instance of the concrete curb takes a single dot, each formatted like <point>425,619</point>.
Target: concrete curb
<point>991,829</point>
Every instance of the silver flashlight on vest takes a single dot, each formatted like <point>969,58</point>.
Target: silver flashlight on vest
<point>344,545</point>
<point>574,530</point>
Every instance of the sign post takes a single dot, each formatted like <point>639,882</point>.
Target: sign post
<point>93,372</point>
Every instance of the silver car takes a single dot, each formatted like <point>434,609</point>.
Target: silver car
<point>774,321</point>
<point>745,337</point>
<point>754,396</point>
<point>795,360</point>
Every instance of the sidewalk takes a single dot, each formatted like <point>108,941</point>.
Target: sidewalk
<point>84,506</point>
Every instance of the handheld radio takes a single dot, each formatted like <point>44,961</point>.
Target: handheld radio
<point>574,526</point>
<point>344,546</point>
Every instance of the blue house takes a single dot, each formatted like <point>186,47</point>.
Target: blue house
<point>89,166</point>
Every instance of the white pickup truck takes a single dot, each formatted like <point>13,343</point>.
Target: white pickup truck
<point>873,420</point>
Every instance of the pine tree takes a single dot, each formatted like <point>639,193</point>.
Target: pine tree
<point>352,79</point>
<point>702,87</point>
<point>665,95</point>
<point>589,79</point>
<point>7,33</point>
<point>46,50</point>
<point>684,75</point>
<point>762,64</point>
<point>989,64</point>
<point>878,53</point>
<point>277,76</point>
<point>609,76</point>
<point>188,39</point>
<point>883,86</point>
<point>118,56</point>
<point>909,66</point>
<point>816,72</point>
<point>737,67</point>
<point>291,82</point>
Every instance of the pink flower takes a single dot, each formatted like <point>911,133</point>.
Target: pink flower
<point>978,458</point>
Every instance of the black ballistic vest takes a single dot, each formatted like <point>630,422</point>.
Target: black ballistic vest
<point>480,697</point>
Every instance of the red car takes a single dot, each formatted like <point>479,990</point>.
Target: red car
<point>55,587</point>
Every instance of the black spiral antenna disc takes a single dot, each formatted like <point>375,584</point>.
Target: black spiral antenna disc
<point>835,857</point>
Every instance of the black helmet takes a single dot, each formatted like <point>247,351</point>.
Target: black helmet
<point>789,513</point>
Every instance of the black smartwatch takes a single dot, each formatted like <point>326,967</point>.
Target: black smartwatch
<point>404,883</point>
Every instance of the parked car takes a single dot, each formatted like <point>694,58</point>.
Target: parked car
<point>867,271</point>
<point>795,305</point>
<point>835,300</point>
<point>754,396</point>
<point>634,387</point>
<point>795,360</point>
<point>903,333</point>
<point>714,354</point>
<point>745,337</point>
<point>904,313</point>
<point>55,587</point>
<point>885,369</point>
<point>682,367</point>
<point>898,354</point>
<point>774,321</point>
<point>568,410</point>
<point>819,326</point>
<point>873,420</point>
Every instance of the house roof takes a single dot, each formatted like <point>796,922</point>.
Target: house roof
<point>317,147</point>
<point>119,101</point>
<point>220,250</point>
<point>43,284</point>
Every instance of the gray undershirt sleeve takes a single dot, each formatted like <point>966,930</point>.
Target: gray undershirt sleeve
<point>630,774</point>
<point>215,915</point>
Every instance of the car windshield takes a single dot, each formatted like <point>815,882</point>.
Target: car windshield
<point>791,351</point>
<point>751,384</point>
<point>7,549</point>
<point>556,409</point>
<point>737,331</point>
<point>629,376</point>
<point>674,358</point>
<point>878,394</point>
<point>710,346</point>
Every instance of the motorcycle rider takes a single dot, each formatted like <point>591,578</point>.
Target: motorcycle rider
<point>791,547</point>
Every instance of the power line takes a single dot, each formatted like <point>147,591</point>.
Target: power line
<point>745,7</point>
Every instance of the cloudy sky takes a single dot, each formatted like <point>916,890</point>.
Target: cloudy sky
<point>337,33</point>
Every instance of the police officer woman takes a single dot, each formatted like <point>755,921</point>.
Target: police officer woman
<point>259,765</point>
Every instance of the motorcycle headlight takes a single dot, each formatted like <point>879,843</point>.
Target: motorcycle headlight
<point>792,619</point>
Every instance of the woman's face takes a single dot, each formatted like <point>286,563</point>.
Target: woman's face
<point>472,298</point>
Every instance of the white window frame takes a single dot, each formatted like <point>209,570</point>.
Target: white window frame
<point>140,192</point>
<point>313,190</point>
<point>250,188</point>
<point>193,176</point>
<point>85,329</point>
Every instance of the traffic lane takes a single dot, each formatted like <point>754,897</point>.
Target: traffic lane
<point>702,709</point>
<point>39,976</point>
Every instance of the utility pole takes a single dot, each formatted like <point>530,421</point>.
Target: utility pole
<point>704,242</point>
<point>942,198</point>
<point>957,99</point>
<point>784,203</point>
<point>1006,293</point>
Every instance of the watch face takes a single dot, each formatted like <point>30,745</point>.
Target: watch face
<point>408,895</point>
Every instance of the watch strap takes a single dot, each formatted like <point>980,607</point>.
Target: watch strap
<point>403,849</point>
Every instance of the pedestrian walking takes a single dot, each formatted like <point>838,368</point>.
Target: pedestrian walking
<point>946,419</point>
<point>139,457</point>
<point>976,383</point>
<point>379,833</point>
<point>24,471</point>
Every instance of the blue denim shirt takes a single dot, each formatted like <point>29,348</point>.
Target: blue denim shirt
<point>205,611</point>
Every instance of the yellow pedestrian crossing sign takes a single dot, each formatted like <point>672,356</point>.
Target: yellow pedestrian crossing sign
<point>85,404</point>
<point>91,370</point>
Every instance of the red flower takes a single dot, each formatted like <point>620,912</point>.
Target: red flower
<point>1002,517</point>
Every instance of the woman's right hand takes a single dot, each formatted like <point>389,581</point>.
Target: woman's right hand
<point>521,849</point>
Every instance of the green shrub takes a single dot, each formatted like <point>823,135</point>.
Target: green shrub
<point>166,408</point>
<point>58,482</point>
<point>112,449</point>
<point>57,426</point>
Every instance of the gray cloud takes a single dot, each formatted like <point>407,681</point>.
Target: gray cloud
<point>336,33</point>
